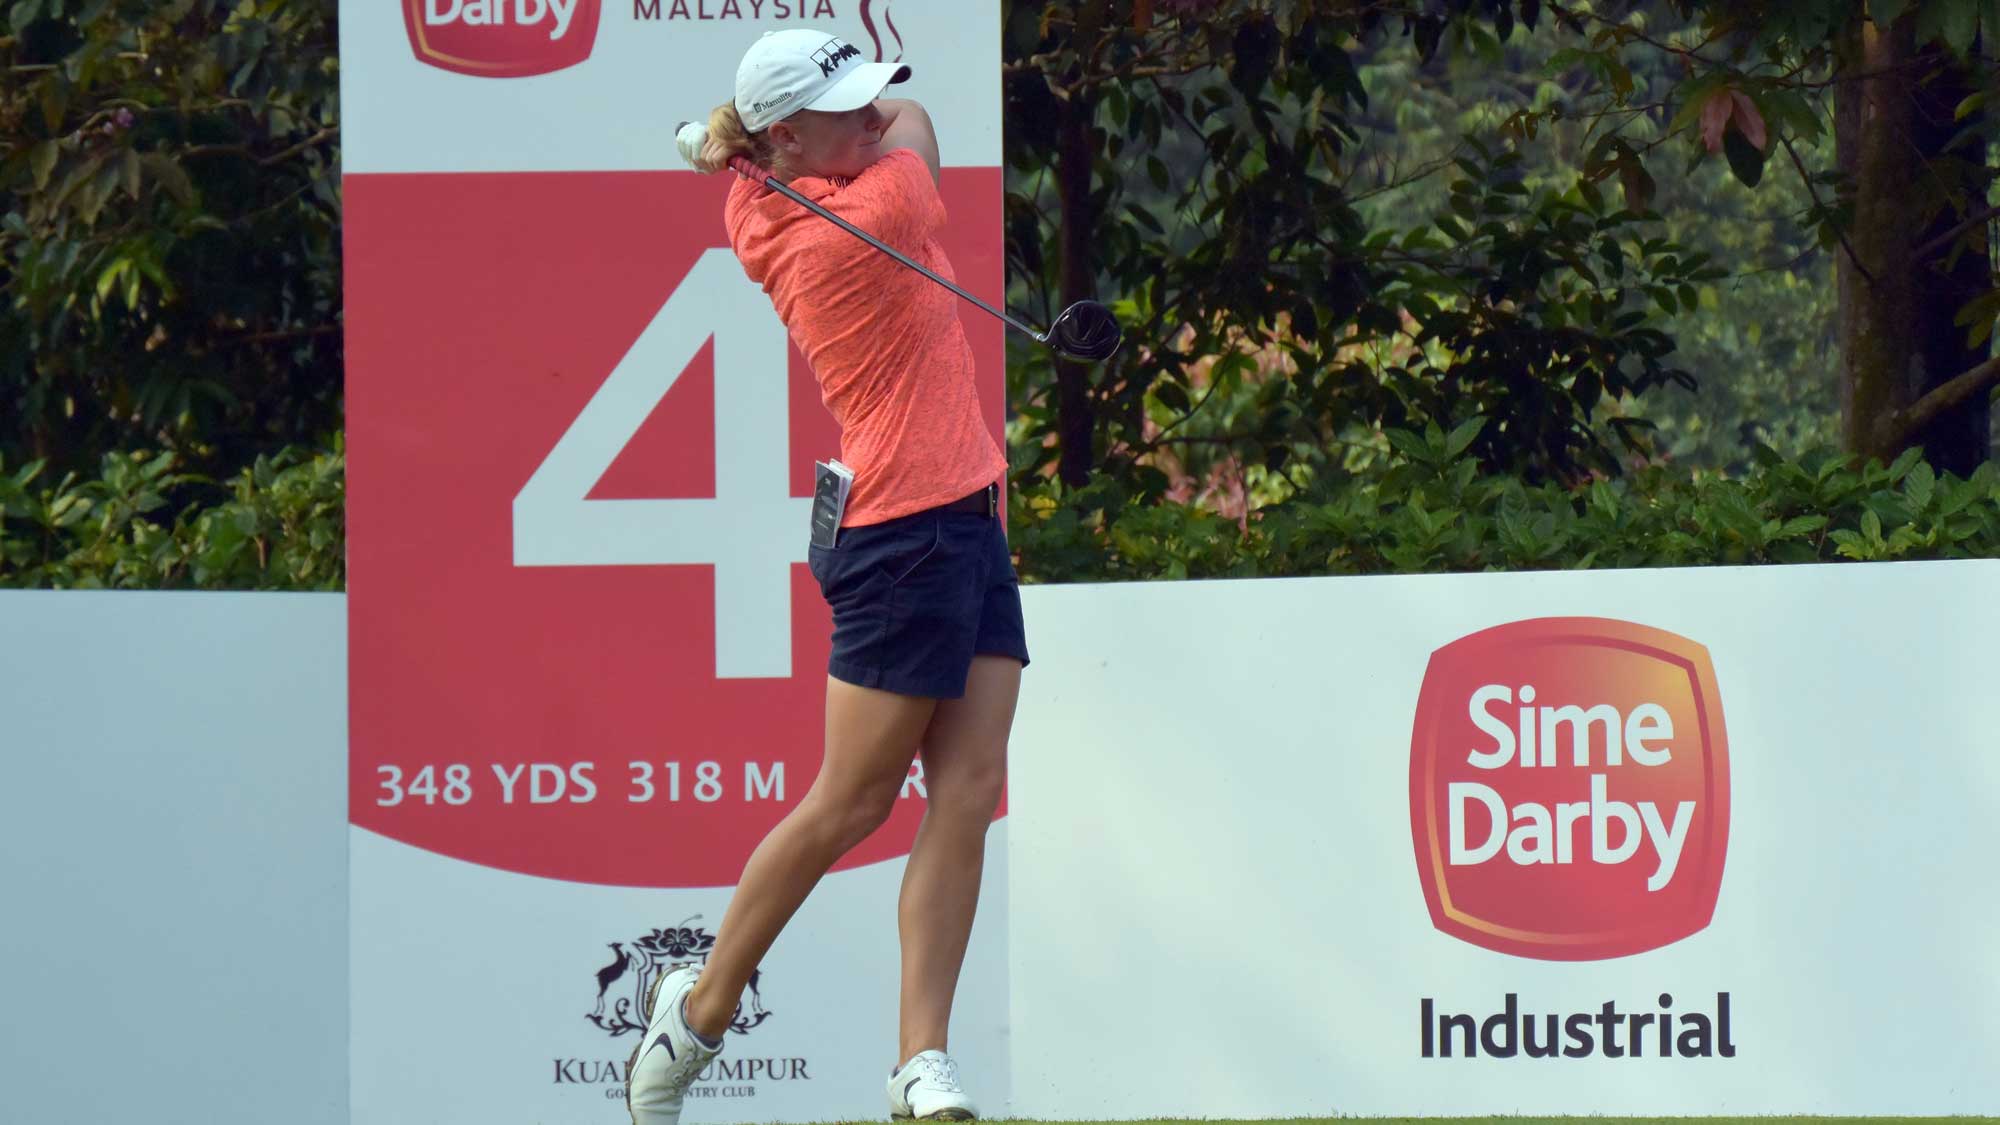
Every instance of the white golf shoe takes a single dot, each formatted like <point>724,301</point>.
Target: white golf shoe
<point>926,1088</point>
<point>665,1062</point>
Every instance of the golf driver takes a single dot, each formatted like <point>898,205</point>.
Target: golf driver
<point>1086,330</point>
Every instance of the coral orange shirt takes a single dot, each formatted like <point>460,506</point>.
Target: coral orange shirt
<point>885,342</point>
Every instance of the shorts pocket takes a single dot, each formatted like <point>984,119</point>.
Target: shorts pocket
<point>845,575</point>
<point>901,560</point>
<point>872,560</point>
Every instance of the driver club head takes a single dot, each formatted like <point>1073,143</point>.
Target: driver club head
<point>1086,330</point>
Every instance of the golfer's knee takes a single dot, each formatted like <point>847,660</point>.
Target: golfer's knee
<point>970,792</point>
<point>870,810</point>
<point>846,819</point>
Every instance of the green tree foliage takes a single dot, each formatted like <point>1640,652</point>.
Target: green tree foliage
<point>1408,286</point>
<point>1279,198</point>
<point>169,231</point>
<point>170,294</point>
<point>1761,342</point>
<point>1197,167</point>
<point>1342,231</point>
<point>1902,204</point>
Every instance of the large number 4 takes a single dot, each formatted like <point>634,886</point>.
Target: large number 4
<point>751,532</point>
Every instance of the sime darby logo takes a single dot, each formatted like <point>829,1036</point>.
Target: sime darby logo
<point>1569,788</point>
<point>501,38</point>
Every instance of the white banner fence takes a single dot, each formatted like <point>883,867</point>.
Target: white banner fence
<point>1208,897</point>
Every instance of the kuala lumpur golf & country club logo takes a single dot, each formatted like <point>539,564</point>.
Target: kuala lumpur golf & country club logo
<point>622,987</point>
<point>623,984</point>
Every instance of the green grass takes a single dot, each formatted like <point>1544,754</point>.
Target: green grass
<point>1543,1119</point>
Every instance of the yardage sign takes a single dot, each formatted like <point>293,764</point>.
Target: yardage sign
<point>583,642</point>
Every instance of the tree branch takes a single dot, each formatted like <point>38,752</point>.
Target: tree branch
<point>1953,235</point>
<point>324,134</point>
<point>1181,70</point>
<point>1906,423</point>
<point>1806,178</point>
<point>1622,28</point>
<point>1033,64</point>
<point>1152,61</point>
<point>1161,437</point>
<point>287,334</point>
<point>247,153</point>
<point>1423,172</point>
<point>1922,63</point>
<point>1197,439</point>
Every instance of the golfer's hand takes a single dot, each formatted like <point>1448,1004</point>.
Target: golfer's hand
<point>691,138</point>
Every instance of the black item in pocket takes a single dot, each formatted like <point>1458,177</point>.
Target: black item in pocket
<point>831,482</point>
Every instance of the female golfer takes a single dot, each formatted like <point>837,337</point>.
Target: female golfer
<point>928,644</point>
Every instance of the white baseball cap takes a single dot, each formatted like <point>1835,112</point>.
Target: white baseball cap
<point>787,71</point>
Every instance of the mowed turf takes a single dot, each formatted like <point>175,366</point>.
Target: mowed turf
<point>1965,1119</point>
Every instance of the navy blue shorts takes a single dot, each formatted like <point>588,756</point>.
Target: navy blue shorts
<point>915,598</point>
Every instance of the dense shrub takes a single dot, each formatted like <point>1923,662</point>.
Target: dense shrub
<point>279,524</point>
<point>1433,511</point>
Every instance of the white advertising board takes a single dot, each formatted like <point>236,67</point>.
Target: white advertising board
<point>174,858</point>
<point>1209,899</point>
<point>1256,871</point>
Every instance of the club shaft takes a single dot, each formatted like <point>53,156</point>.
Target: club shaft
<point>788,192</point>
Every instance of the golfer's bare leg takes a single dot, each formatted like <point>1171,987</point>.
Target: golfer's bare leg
<point>965,770</point>
<point>871,736</point>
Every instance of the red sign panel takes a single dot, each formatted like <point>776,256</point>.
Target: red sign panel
<point>583,640</point>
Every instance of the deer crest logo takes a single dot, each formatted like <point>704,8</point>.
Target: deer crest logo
<point>635,964</point>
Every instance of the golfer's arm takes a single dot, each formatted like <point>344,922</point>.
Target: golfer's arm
<point>910,127</point>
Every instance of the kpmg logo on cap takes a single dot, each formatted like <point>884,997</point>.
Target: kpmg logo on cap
<point>501,38</point>
<point>833,54</point>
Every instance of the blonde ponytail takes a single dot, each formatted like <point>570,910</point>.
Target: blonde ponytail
<point>726,138</point>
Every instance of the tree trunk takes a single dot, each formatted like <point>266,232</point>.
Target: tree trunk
<point>1959,439</point>
<point>1900,351</point>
